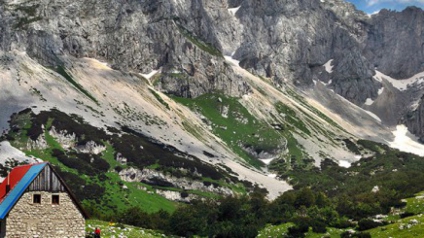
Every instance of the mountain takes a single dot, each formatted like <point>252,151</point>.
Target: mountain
<point>215,90</point>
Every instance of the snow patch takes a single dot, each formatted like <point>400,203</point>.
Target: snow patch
<point>234,10</point>
<point>231,60</point>
<point>328,66</point>
<point>369,102</point>
<point>405,141</point>
<point>401,84</point>
<point>150,75</point>
<point>380,91</point>
<point>344,163</point>
<point>267,161</point>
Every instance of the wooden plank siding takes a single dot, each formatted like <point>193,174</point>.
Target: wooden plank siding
<point>48,181</point>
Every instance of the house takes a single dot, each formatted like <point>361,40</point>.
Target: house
<point>35,202</point>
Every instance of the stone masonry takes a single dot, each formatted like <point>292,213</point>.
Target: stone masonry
<point>29,219</point>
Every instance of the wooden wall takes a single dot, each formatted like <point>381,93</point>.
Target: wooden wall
<point>47,180</point>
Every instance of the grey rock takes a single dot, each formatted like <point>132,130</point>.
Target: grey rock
<point>414,120</point>
<point>394,42</point>
<point>285,40</point>
<point>90,148</point>
<point>154,177</point>
<point>130,35</point>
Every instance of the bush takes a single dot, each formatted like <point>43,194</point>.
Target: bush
<point>406,214</point>
<point>318,227</point>
<point>342,223</point>
<point>366,224</point>
<point>92,191</point>
<point>184,194</point>
<point>297,231</point>
<point>75,163</point>
<point>301,227</point>
<point>348,234</point>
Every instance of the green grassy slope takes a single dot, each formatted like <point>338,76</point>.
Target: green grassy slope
<point>231,122</point>
<point>94,178</point>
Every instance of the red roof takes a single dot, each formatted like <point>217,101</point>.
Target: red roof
<point>13,178</point>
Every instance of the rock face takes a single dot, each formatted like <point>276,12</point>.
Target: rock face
<point>414,120</point>
<point>90,148</point>
<point>40,143</point>
<point>287,41</point>
<point>66,140</point>
<point>131,35</point>
<point>149,176</point>
<point>291,40</point>
<point>395,44</point>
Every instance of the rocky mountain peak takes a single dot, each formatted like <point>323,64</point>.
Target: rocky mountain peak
<point>182,44</point>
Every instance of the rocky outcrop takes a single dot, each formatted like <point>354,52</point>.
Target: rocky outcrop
<point>414,120</point>
<point>158,178</point>
<point>121,159</point>
<point>39,144</point>
<point>264,154</point>
<point>65,139</point>
<point>90,148</point>
<point>69,141</point>
<point>176,196</point>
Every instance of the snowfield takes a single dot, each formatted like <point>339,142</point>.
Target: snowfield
<point>234,10</point>
<point>401,84</point>
<point>405,141</point>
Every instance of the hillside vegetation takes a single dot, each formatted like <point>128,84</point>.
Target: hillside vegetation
<point>94,177</point>
<point>329,196</point>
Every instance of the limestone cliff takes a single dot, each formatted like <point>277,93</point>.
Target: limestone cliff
<point>131,35</point>
<point>287,41</point>
<point>394,42</point>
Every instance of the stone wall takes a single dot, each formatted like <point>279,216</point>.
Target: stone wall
<point>27,219</point>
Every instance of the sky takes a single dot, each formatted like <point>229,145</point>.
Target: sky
<point>373,6</point>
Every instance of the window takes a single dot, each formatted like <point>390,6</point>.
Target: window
<point>36,198</point>
<point>55,199</point>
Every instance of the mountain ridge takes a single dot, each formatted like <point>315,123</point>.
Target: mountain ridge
<point>305,75</point>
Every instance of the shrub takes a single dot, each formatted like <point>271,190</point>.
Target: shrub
<point>343,223</point>
<point>118,169</point>
<point>184,194</point>
<point>318,227</point>
<point>406,214</point>
<point>348,234</point>
<point>366,224</point>
<point>297,231</point>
